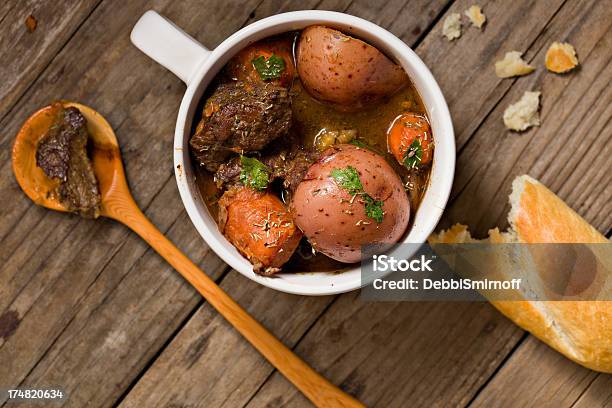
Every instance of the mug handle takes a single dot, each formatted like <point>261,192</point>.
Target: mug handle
<point>168,45</point>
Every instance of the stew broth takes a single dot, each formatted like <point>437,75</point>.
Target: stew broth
<point>309,117</point>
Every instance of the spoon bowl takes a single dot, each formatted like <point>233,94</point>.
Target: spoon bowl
<point>117,203</point>
<point>105,156</point>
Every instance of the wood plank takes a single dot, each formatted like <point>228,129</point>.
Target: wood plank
<point>406,19</point>
<point>136,148</point>
<point>397,16</point>
<point>536,375</point>
<point>599,393</point>
<point>277,390</point>
<point>401,354</point>
<point>483,345</point>
<point>122,320</point>
<point>464,68</point>
<point>209,364</point>
<point>197,382</point>
<point>70,278</point>
<point>30,52</point>
<point>569,152</point>
<point>103,281</point>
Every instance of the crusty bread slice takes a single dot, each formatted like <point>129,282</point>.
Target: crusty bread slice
<point>580,330</point>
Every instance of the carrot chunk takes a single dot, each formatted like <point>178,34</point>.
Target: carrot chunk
<point>259,225</point>
<point>409,140</point>
<point>246,65</point>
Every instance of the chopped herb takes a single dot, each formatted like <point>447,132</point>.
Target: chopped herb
<point>348,179</point>
<point>414,154</point>
<point>360,143</point>
<point>374,209</point>
<point>364,145</point>
<point>270,68</point>
<point>254,174</point>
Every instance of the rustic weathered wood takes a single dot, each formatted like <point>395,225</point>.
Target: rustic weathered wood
<point>406,19</point>
<point>208,364</point>
<point>118,204</point>
<point>598,393</point>
<point>94,316</point>
<point>85,392</point>
<point>157,374</point>
<point>60,271</point>
<point>386,352</point>
<point>276,389</point>
<point>30,52</point>
<point>569,152</point>
<point>536,376</point>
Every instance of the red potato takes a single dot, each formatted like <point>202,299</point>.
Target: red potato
<point>241,66</point>
<point>405,130</point>
<point>334,220</point>
<point>259,226</point>
<point>345,71</point>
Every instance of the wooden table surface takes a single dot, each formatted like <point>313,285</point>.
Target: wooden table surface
<point>86,305</point>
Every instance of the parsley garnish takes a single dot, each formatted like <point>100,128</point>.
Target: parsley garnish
<point>270,68</point>
<point>360,143</point>
<point>364,145</point>
<point>374,209</point>
<point>348,179</point>
<point>414,154</point>
<point>254,174</point>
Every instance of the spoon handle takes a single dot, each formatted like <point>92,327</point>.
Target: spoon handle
<point>314,386</point>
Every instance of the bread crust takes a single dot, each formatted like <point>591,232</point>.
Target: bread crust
<point>580,330</point>
<point>561,58</point>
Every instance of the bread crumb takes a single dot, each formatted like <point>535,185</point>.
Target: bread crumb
<point>524,113</point>
<point>512,65</point>
<point>31,23</point>
<point>452,26</point>
<point>474,13</point>
<point>561,57</point>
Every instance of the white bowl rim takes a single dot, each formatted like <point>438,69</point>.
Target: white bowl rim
<point>435,198</point>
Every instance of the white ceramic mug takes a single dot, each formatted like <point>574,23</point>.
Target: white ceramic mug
<point>195,65</point>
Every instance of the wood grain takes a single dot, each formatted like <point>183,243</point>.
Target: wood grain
<point>536,376</point>
<point>156,377</point>
<point>117,203</point>
<point>598,393</point>
<point>59,269</point>
<point>276,389</point>
<point>208,364</point>
<point>569,152</point>
<point>401,354</point>
<point>29,53</point>
<point>87,305</point>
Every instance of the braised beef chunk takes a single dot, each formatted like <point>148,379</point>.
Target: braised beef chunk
<point>62,155</point>
<point>228,173</point>
<point>287,163</point>
<point>240,118</point>
<point>292,166</point>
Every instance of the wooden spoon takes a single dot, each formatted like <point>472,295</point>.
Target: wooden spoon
<point>118,204</point>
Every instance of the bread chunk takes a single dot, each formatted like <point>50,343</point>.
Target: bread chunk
<point>474,13</point>
<point>561,57</point>
<point>452,26</point>
<point>580,330</point>
<point>523,114</point>
<point>512,65</point>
